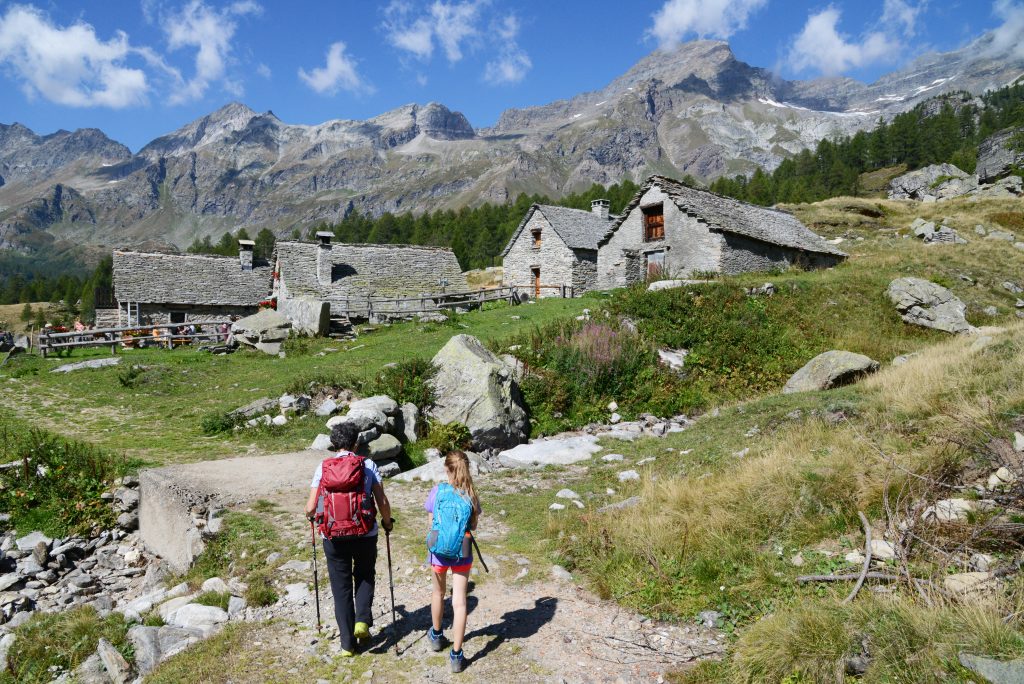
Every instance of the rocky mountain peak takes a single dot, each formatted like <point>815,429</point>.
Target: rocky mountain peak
<point>213,127</point>
<point>438,122</point>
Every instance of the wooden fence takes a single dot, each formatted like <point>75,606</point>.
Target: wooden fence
<point>130,336</point>
<point>377,308</point>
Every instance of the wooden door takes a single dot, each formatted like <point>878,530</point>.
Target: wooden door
<point>536,282</point>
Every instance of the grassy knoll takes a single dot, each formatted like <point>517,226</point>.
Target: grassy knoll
<point>157,415</point>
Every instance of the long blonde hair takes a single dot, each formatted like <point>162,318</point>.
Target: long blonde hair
<point>456,463</point>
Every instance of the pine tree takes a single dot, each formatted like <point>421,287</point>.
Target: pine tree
<point>26,313</point>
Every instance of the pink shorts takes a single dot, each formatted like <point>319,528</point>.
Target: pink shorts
<point>440,569</point>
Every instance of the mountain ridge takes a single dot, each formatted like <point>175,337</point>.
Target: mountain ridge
<point>696,110</point>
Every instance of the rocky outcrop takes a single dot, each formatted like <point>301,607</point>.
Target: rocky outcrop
<point>265,331</point>
<point>308,317</point>
<point>830,369</point>
<point>995,156</point>
<point>474,387</point>
<point>939,181</point>
<point>922,302</point>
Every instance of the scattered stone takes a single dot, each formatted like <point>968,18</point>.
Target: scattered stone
<point>982,562</point>
<point>235,606</point>
<point>474,387</point>
<point>1001,478</point>
<point>613,406</point>
<point>195,616</point>
<point>82,365</point>
<point>621,505</point>
<point>991,311</point>
<point>1012,287</point>
<point>566,494</point>
<point>1018,442</point>
<point>389,469</point>
<point>994,671</point>
<point>855,557</point>
<point>279,420</point>
<point>326,408</point>
<point>384,448</point>
<point>971,583</point>
<point>882,550</point>
<point>215,585</point>
<point>556,507</point>
<point>408,416</point>
<point>675,359</point>
<point>627,475</point>
<point>615,418</point>
<point>709,618</point>
<point>924,303</point>
<point>560,573</point>
<point>948,510</point>
<point>433,471</point>
<point>561,451</point>
<point>116,666</point>
<point>612,457</point>
<point>29,541</point>
<point>1000,235</point>
<point>830,369</point>
<point>321,443</point>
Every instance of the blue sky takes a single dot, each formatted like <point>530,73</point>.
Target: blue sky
<point>140,68</point>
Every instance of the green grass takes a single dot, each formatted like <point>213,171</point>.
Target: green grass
<point>242,547</point>
<point>62,639</point>
<point>161,420</point>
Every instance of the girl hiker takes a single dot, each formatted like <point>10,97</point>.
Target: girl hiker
<point>454,509</point>
<point>342,495</point>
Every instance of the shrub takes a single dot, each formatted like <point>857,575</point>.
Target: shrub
<point>261,590</point>
<point>1011,220</point>
<point>217,422</point>
<point>215,599</point>
<point>57,489</point>
<point>448,437</point>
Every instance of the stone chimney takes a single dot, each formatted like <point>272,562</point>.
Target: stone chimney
<point>599,207</point>
<point>245,248</point>
<point>323,257</point>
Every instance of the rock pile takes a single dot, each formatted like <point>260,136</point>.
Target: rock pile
<point>265,331</point>
<point>932,183</point>
<point>384,427</point>
<point>927,231</point>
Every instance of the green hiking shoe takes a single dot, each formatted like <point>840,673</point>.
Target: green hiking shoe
<point>361,631</point>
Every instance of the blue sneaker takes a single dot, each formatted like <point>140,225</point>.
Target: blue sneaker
<point>456,661</point>
<point>436,639</point>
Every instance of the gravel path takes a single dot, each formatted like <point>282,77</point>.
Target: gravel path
<point>524,625</point>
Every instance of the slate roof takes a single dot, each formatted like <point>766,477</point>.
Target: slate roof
<point>578,228</point>
<point>152,278</point>
<point>385,270</point>
<point>733,216</point>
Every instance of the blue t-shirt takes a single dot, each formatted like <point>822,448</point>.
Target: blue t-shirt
<point>428,505</point>
<point>372,478</point>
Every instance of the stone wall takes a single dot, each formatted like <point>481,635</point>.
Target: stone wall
<point>107,318</point>
<point>556,261</point>
<point>742,255</point>
<point>584,271</point>
<point>393,271</point>
<point>689,245</point>
<point>160,314</point>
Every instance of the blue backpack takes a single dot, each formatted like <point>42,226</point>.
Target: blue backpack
<point>452,511</point>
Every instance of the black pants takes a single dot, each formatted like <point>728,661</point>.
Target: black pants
<point>351,562</point>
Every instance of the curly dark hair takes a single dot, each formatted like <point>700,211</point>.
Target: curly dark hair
<point>344,436</point>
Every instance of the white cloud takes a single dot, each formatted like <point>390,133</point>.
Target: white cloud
<point>678,19</point>
<point>263,70</point>
<point>902,14</point>
<point>1008,38</point>
<point>822,48</point>
<point>448,24</point>
<point>210,31</point>
<point>69,66</point>
<point>338,74</point>
<point>512,63</point>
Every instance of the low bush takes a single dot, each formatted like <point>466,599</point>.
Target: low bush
<point>58,485</point>
<point>215,599</point>
<point>218,422</point>
<point>261,590</point>
<point>62,640</point>
<point>448,437</point>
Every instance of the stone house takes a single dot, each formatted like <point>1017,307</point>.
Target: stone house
<point>556,247</point>
<point>153,289</point>
<point>348,275</point>
<point>672,229</point>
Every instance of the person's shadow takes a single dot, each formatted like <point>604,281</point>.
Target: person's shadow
<point>516,624</point>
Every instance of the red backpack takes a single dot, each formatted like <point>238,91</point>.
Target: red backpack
<point>348,509</point>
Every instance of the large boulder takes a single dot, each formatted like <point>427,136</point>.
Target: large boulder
<point>265,331</point>
<point>922,302</point>
<point>939,181</point>
<point>560,451</point>
<point>433,471</point>
<point>995,158</point>
<point>310,317</point>
<point>474,387</point>
<point>830,369</point>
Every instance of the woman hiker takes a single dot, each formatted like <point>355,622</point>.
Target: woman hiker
<point>342,495</point>
<point>454,510</point>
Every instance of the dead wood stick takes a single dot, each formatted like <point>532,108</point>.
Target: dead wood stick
<point>847,578</point>
<point>867,558</point>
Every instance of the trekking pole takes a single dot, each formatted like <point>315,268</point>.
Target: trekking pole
<point>316,574</point>
<point>391,582</point>
<point>478,554</point>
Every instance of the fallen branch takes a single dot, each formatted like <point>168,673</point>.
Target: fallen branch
<point>867,558</point>
<point>885,577</point>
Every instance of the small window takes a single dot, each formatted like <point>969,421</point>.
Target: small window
<point>654,223</point>
<point>536,239</point>
<point>655,264</point>
<point>177,317</point>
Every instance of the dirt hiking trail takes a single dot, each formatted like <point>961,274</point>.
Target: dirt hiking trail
<point>524,624</point>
